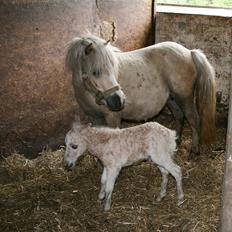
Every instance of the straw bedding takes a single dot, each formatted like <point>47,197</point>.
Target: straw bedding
<point>38,195</point>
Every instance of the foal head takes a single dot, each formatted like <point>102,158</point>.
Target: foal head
<point>75,145</point>
<point>93,62</point>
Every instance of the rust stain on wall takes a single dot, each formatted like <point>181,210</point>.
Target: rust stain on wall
<point>108,31</point>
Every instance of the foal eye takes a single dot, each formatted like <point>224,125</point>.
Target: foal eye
<point>73,146</point>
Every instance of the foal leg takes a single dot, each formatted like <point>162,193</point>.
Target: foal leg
<point>192,116</point>
<point>178,115</point>
<point>164,183</point>
<point>101,195</point>
<point>112,175</point>
<point>175,171</point>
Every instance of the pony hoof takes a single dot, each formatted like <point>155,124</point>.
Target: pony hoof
<point>178,141</point>
<point>193,155</point>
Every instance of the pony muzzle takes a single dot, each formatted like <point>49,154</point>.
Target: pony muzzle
<point>113,97</point>
<point>115,102</point>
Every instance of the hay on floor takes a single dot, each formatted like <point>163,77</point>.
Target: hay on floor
<point>38,195</point>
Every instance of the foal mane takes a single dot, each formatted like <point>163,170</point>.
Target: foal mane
<point>100,55</point>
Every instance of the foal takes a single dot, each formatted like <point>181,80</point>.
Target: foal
<point>118,148</point>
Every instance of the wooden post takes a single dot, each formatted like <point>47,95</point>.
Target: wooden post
<point>226,211</point>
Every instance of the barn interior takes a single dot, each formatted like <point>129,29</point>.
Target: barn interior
<point>38,105</point>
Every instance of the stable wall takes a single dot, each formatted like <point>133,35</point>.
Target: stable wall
<point>37,102</point>
<point>211,34</point>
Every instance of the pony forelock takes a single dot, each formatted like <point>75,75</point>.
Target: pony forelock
<point>102,57</point>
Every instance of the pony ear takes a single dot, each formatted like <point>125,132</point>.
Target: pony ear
<point>88,49</point>
<point>107,42</point>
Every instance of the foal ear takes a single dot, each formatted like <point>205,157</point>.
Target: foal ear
<point>88,49</point>
<point>88,124</point>
<point>77,119</point>
<point>76,123</point>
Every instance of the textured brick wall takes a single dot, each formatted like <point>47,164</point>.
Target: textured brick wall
<point>212,34</point>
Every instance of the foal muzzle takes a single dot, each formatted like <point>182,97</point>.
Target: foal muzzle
<point>68,166</point>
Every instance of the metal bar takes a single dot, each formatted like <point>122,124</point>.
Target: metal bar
<point>226,211</point>
<point>153,22</point>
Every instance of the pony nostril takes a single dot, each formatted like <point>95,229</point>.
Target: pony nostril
<point>123,102</point>
<point>114,102</point>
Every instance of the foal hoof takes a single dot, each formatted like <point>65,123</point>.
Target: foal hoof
<point>160,197</point>
<point>180,202</point>
<point>101,196</point>
<point>106,208</point>
<point>100,202</point>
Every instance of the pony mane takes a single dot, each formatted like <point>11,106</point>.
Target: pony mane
<point>102,57</point>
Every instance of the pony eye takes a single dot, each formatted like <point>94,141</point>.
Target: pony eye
<point>96,73</point>
<point>73,146</point>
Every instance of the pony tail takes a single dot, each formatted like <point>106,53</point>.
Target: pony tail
<point>72,55</point>
<point>205,96</point>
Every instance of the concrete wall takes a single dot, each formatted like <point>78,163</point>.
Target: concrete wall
<point>211,34</point>
<point>36,96</point>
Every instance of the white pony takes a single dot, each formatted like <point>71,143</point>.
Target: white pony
<point>110,85</point>
<point>118,148</point>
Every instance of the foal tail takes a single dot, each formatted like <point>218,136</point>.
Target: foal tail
<point>205,96</point>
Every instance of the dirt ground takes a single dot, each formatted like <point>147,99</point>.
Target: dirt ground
<point>38,195</point>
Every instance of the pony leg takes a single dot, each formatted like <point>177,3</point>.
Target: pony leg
<point>97,121</point>
<point>113,119</point>
<point>192,116</point>
<point>179,117</point>
<point>164,183</point>
<point>101,195</point>
<point>112,175</point>
<point>95,117</point>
